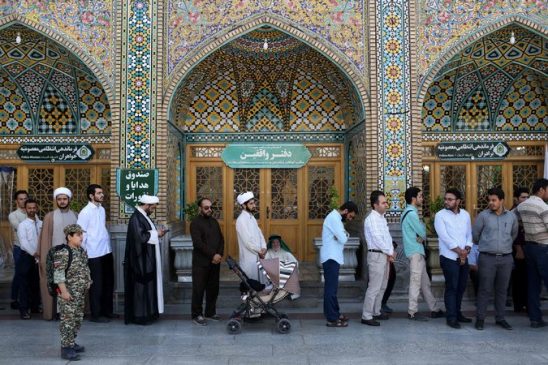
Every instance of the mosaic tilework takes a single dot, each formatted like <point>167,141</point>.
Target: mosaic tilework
<point>491,85</point>
<point>394,99</point>
<point>357,191</point>
<point>52,87</point>
<point>340,22</point>
<point>135,144</point>
<point>15,117</point>
<point>86,23</point>
<point>174,186</point>
<point>443,23</point>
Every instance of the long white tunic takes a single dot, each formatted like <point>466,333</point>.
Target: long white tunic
<point>250,243</point>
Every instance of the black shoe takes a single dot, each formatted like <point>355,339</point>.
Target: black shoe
<point>386,309</point>
<point>538,324</point>
<point>112,316</point>
<point>479,324</point>
<point>68,353</point>
<point>417,317</point>
<point>381,317</point>
<point>370,322</point>
<point>453,323</point>
<point>78,348</point>
<point>504,324</point>
<point>99,320</point>
<point>14,304</point>
<point>437,314</point>
<point>463,319</point>
<point>215,318</point>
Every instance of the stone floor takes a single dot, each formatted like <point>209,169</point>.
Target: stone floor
<point>175,340</point>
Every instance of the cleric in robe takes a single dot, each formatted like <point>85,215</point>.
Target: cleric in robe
<point>144,297</point>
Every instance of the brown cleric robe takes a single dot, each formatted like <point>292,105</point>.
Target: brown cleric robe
<point>44,244</point>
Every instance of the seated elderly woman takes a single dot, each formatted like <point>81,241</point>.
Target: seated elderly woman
<point>278,249</point>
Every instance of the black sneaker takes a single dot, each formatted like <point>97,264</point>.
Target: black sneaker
<point>463,319</point>
<point>370,322</point>
<point>453,323</point>
<point>78,348</point>
<point>68,353</point>
<point>199,320</point>
<point>386,309</point>
<point>437,314</point>
<point>502,323</point>
<point>538,324</point>
<point>417,317</point>
<point>479,324</point>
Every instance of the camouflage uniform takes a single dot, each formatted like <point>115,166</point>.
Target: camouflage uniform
<point>77,281</point>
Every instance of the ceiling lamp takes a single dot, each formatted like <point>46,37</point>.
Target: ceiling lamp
<point>18,38</point>
<point>265,44</point>
<point>512,38</point>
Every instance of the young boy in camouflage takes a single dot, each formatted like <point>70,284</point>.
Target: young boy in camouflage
<point>72,285</point>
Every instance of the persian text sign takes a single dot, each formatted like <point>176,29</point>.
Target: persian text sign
<point>465,151</point>
<point>131,184</point>
<point>55,152</point>
<point>289,155</point>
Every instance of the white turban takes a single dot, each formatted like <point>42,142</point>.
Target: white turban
<point>62,191</point>
<point>149,199</point>
<point>245,197</point>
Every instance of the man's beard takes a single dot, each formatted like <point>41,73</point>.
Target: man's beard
<point>66,207</point>
<point>249,210</point>
<point>343,217</point>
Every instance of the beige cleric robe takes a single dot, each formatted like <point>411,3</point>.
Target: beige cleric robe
<point>44,244</point>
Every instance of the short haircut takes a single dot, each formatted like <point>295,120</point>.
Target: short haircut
<point>201,200</point>
<point>519,191</point>
<point>350,206</point>
<point>374,198</point>
<point>411,193</point>
<point>91,190</point>
<point>456,192</point>
<point>19,192</point>
<point>540,184</point>
<point>496,191</point>
<point>31,201</point>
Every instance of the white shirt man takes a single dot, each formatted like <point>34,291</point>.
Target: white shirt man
<point>380,253</point>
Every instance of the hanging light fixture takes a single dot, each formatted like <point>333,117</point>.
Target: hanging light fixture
<point>512,38</point>
<point>18,38</point>
<point>265,44</point>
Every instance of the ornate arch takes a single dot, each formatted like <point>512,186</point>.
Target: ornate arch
<point>65,42</point>
<point>469,39</point>
<point>215,42</point>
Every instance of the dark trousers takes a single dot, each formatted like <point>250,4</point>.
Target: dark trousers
<point>205,279</point>
<point>494,272</point>
<point>15,283</point>
<point>29,287</point>
<point>390,284</point>
<point>101,290</point>
<point>474,277</point>
<point>519,285</point>
<point>456,277</point>
<point>537,271</point>
<point>330,302</point>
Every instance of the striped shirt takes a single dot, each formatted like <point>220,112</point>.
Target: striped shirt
<point>534,215</point>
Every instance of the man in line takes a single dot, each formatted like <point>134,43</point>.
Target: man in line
<point>92,219</point>
<point>334,237</point>
<point>534,215</point>
<point>251,241</point>
<point>208,243</point>
<point>15,218</point>
<point>144,296</point>
<point>414,234</point>
<point>494,232</point>
<point>518,281</point>
<point>27,267</point>
<point>454,230</point>
<point>53,235</point>
<point>380,254</point>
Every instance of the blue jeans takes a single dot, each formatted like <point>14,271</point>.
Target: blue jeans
<point>537,270</point>
<point>15,282</point>
<point>330,301</point>
<point>456,277</point>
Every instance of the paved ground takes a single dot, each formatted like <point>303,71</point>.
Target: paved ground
<point>175,340</point>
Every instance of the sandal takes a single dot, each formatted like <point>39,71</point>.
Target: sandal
<point>343,318</point>
<point>337,323</point>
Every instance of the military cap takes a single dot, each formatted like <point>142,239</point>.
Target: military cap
<point>73,228</point>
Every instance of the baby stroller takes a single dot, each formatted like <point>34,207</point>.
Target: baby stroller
<point>257,301</point>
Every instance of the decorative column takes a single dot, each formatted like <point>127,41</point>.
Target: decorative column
<point>394,100</point>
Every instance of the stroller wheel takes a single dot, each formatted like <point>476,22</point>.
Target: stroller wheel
<point>234,327</point>
<point>283,326</point>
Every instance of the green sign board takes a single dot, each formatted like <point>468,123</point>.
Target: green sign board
<point>289,155</point>
<point>55,152</point>
<point>467,151</point>
<point>131,184</point>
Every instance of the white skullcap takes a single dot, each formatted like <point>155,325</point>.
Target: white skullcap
<point>62,191</point>
<point>149,199</point>
<point>245,197</point>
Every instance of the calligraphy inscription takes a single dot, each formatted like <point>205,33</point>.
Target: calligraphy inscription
<point>55,152</point>
<point>132,184</point>
<point>465,151</point>
<point>266,155</point>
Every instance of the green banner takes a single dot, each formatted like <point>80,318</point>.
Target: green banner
<point>131,184</point>
<point>289,155</point>
<point>55,152</point>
